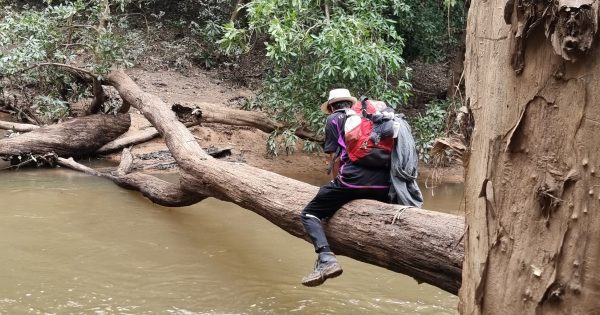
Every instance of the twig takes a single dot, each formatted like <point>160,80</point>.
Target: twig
<point>60,65</point>
<point>18,165</point>
<point>99,96</point>
<point>236,10</point>
<point>399,213</point>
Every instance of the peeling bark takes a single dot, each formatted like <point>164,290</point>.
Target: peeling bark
<point>570,26</point>
<point>531,241</point>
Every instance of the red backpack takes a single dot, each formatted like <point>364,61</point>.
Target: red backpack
<point>369,133</point>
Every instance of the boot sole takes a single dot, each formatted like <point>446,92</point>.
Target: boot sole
<point>336,271</point>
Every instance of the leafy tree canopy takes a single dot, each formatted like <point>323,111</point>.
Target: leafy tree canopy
<point>313,49</point>
<point>311,46</point>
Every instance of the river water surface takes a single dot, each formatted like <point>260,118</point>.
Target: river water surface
<point>76,244</point>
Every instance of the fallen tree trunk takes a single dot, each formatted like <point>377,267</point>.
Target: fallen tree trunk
<point>136,138</point>
<point>7,125</point>
<point>213,113</point>
<point>423,244</point>
<point>77,137</point>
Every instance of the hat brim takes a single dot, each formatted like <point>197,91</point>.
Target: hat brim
<point>325,106</point>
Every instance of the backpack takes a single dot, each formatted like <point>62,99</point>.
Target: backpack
<point>369,133</point>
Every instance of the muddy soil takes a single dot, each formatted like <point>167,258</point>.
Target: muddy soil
<point>247,144</point>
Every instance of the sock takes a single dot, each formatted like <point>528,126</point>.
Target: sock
<point>324,249</point>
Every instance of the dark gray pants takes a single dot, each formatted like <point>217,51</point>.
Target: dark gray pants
<point>328,200</point>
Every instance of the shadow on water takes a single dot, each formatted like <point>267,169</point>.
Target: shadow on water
<point>78,244</point>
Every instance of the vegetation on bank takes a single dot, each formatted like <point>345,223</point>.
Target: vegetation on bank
<point>310,47</point>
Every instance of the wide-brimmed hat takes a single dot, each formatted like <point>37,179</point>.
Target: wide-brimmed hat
<point>337,95</point>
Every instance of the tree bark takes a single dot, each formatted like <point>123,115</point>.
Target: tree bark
<point>213,113</point>
<point>423,244</point>
<point>531,190</point>
<point>157,190</point>
<point>136,138</point>
<point>7,125</point>
<point>77,137</point>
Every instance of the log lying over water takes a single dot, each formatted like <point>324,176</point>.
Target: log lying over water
<point>76,137</point>
<point>423,244</point>
<point>157,190</point>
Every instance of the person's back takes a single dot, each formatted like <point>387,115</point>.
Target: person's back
<point>350,174</point>
<point>351,181</point>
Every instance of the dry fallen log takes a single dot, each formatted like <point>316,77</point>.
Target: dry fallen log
<point>213,113</point>
<point>7,125</point>
<point>136,138</point>
<point>210,113</point>
<point>77,137</point>
<point>423,244</point>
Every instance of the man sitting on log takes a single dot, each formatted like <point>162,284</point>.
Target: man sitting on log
<point>350,181</point>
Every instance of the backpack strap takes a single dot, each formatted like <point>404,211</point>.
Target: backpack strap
<point>341,133</point>
<point>332,162</point>
<point>364,106</point>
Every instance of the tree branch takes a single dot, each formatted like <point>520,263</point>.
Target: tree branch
<point>157,190</point>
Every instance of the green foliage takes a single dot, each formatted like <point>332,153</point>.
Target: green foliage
<point>285,139</point>
<point>358,47</point>
<point>208,53</point>
<point>433,28</point>
<point>233,40</point>
<point>49,109</point>
<point>426,128</point>
<point>208,29</point>
<point>311,146</point>
<point>66,32</point>
<point>197,26</point>
<point>61,33</point>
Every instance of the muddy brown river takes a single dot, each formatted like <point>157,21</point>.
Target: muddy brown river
<point>75,244</point>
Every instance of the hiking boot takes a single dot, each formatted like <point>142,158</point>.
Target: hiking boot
<point>327,266</point>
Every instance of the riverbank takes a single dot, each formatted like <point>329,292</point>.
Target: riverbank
<point>248,145</point>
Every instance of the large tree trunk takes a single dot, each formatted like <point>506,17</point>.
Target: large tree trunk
<point>423,244</point>
<point>532,190</point>
<point>76,137</point>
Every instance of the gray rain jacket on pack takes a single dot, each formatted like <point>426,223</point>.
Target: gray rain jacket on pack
<point>404,189</point>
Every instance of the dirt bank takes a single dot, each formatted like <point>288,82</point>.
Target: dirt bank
<point>247,144</point>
